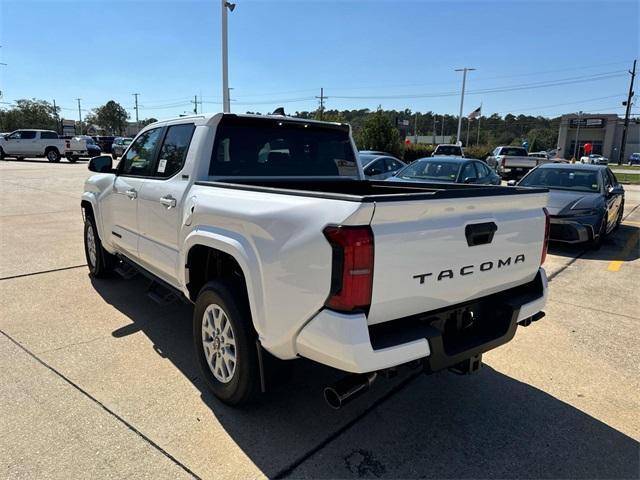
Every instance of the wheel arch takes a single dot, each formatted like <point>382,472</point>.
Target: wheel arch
<point>208,255</point>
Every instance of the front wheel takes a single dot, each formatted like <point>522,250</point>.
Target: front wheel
<point>99,261</point>
<point>1,154</point>
<point>73,159</point>
<point>620,215</point>
<point>224,341</point>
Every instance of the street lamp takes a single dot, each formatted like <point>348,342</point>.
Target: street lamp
<point>464,80</point>
<point>226,106</point>
<point>575,147</point>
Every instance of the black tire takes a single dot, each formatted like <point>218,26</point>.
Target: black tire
<point>619,219</point>
<point>101,262</point>
<point>596,243</point>
<point>243,385</point>
<point>73,159</point>
<point>1,154</point>
<point>53,155</point>
<point>19,158</point>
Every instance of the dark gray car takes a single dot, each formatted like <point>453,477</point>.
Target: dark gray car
<point>586,202</point>
<point>447,169</point>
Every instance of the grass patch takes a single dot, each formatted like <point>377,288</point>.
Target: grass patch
<point>615,167</point>
<point>632,178</point>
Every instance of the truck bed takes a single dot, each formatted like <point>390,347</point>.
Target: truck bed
<point>367,190</point>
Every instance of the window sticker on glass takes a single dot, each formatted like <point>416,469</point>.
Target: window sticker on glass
<point>162,165</point>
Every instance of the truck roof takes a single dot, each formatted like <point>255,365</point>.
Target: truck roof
<point>209,117</point>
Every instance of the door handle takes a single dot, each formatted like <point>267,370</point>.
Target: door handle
<point>132,194</point>
<point>168,201</point>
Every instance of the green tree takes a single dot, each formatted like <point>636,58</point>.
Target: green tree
<point>147,121</point>
<point>542,139</point>
<point>379,133</point>
<point>111,116</point>
<point>29,114</point>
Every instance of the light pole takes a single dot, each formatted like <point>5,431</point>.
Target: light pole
<point>226,104</point>
<point>575,147</point>
<point>464,81</point>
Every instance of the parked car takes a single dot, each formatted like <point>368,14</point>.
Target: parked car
<point>374,152</point>
<point>512,162</point>
<point>380,167</point>
<point>634,159</point>
<point>447,169</point>
<point>446,149</point>
<point>594,159</point>
<point>296,254</point>
<point>119,145</point>
<point>32,143</point>
<point>104,142</point>
<point>82,146</point>
<point>542,155</point>
<point>586,202</point>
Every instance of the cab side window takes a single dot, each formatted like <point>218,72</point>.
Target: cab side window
<point>139,158</point>
<point>174,150</point>
<point>26,135</point>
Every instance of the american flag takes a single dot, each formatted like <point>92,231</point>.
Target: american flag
<point>476,113</point>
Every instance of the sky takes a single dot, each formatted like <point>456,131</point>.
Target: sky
<point>543,57</point>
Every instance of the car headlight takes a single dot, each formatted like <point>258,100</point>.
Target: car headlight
<point>583,212</point>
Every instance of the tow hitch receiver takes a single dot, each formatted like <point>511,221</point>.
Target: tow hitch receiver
<point>469,366</point>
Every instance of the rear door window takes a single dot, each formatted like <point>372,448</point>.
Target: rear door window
<point>27,135</point>
<point>173,151</point>
<point>469,172</point>
<point>48,135</point>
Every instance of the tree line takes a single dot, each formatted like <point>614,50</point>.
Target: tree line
<point>372,130</point>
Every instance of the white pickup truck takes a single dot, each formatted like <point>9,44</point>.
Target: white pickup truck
<point>512,162</point>
<point>32,143</point>
<point>267,225</point>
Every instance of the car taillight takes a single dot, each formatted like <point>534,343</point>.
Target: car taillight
<point>352,267</point>
<point>502,161</point>
<point>545,245</point>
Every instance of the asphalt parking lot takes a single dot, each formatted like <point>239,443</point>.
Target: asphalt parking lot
<point>98,380</point>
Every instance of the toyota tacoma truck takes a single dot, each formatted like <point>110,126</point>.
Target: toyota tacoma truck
<point>268,226</point>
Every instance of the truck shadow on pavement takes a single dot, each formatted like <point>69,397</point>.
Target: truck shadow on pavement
<point>413,426</point>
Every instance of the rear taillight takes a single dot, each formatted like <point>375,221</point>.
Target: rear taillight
<point>352,267</point>
<point>545,245</point>
<point>502,161</point>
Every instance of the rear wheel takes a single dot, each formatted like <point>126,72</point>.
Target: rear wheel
<point>1,154</point>
<point>73,159</point>
<point>53,155</point>
<point>224,341</point>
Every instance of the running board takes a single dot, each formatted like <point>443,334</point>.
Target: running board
<point>161,295</point>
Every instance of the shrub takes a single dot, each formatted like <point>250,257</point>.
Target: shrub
<point>481,152</point>
<point>414,151</point>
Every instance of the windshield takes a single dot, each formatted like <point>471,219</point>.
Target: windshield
<point>563,179</point>
<point>442,171</point>
<point>448,150</point>
<point>126,141</point>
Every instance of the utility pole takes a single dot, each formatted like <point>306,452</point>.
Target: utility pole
<point>575,147</point>
<point>80,115</point>
<point>226,102</point>
<point>626,115</point>
<point>55,112</point>
<point>434,128</point>
<point>415,129</point>
<point>464,81</point>
<point>136,109</point>
<point>322,99</point>
<point>195,104</point>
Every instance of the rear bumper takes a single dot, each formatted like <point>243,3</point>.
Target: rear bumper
<point>441,339</point>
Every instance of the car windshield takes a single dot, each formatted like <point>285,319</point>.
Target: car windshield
<point>563,179</point>
<point>126,141</point>
<point>442,171</point>
<point>448,150</point>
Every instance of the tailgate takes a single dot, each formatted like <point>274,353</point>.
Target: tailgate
<point>423,260</point>
<point>520,162</point>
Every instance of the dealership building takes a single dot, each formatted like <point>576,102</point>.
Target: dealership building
<point>603,131</point>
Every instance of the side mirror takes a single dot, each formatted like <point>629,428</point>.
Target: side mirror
<point>101,164</point>
<point>616,190</point>
<point>511,183</point>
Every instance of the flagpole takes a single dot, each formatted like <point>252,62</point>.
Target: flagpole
<point>479,118</point>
